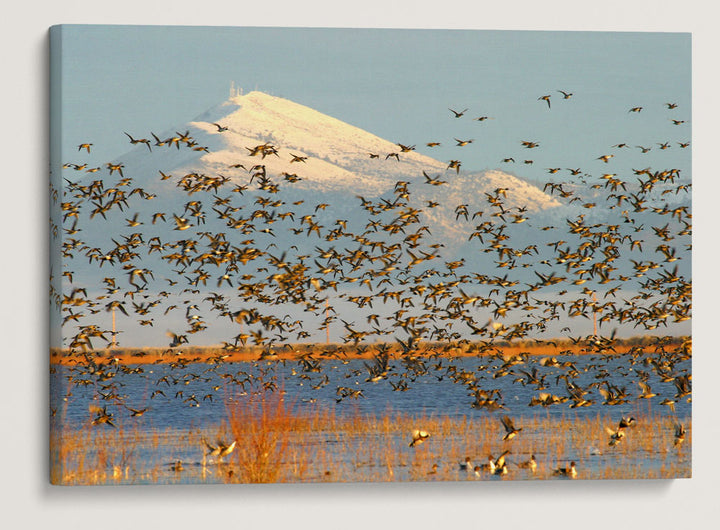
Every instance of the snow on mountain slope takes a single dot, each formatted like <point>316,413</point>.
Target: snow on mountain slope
<point>471,189</point>
<point>338,154</point>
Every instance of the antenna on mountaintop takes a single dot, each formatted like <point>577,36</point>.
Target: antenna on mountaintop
<point>232,89</point>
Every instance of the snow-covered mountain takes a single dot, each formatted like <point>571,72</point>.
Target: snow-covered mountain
<point>280,183</point>
<point>331,162</point>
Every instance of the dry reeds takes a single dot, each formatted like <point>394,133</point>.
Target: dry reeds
<point>205,354</point>
<point>276,442</point>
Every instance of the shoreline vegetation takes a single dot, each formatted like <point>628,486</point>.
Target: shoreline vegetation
<point>278,443</point>
<point>218,353</point>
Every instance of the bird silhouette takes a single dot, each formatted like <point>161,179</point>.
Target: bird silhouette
<point>458,114</point>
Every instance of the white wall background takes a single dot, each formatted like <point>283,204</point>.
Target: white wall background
<point>26,498</point>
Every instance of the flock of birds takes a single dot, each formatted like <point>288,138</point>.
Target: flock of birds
<point>395,293</point>
<point>493,466</point>
<point>500,465</point>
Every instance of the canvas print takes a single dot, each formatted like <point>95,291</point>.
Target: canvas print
<point>297,255</point>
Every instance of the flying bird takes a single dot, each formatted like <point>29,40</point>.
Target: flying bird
<point>298,158</point>
<point>530,464</point>
<point>220,449</point>
<point>510,430</point>
<point>679,435</point>
<point>461,143</point>
<point>458,114</point>
<point>454,164</point>
<point>418,437</point>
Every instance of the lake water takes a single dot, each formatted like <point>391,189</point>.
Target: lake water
<point>425,394</point>
<point>196,398</point>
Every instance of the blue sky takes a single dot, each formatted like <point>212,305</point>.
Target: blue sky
<point>397,84</point>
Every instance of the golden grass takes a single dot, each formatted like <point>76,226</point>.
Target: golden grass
<point>277,443</point>
<point>204,354</point>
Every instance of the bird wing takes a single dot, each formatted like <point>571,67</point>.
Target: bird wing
<point>507,423</point>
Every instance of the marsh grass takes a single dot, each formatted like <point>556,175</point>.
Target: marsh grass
<point>277,443</point>
<point>204,354</point>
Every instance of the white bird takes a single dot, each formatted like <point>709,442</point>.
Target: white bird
<point>419,437</point>
<point>221,449</point>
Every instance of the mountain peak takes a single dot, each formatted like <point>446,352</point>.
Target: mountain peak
<point>335,154</point>
<point>256,96</point>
